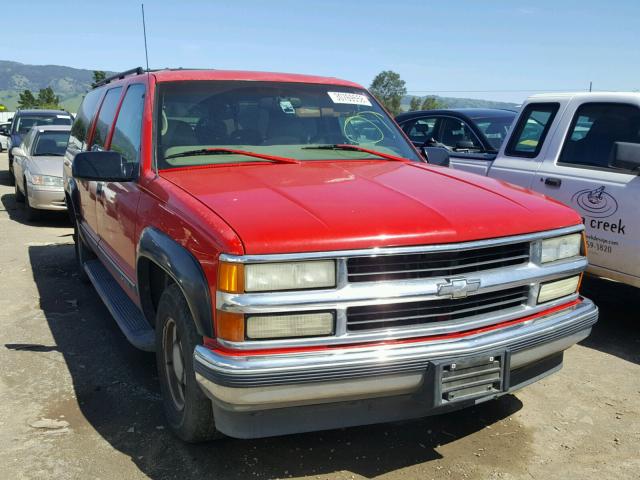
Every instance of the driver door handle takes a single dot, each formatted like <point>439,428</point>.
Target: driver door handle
<point>553,182</point>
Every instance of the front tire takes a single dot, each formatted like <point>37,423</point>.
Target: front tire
<point>83,253</point>
<point>12,178</point>
<point>188,411</point>
<point>33,214</point>
<point>19,196</point>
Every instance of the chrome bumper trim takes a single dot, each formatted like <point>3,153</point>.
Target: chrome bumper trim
<point>349,363</point>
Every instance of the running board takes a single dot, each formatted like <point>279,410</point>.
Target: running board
<point>126,314</point>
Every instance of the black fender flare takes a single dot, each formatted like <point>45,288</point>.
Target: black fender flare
<point>179,264</point>
<point>73,194</point>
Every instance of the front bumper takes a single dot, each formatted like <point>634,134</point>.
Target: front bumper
<point>247,390</point>
<point>46,199</point>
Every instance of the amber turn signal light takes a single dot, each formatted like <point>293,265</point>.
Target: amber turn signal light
<point>231,277</point>
<point>230,326</point>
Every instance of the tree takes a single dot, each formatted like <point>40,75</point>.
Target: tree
<point>48,99</point>
<point>98,76</point>
<point>389,89</point>
<point>27,100</point>
<point>431,103</point>
<point>415,104</point>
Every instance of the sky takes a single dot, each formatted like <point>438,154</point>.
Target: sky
<point>496,50</point>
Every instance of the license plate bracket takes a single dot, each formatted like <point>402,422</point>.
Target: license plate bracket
<point>470,378</point>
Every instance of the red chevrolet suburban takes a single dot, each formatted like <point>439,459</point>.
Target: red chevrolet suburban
<point>295,263</point>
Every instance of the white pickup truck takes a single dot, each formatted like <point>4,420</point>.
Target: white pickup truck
<point>584,150</point>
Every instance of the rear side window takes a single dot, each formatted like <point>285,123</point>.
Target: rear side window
<point>531,130</point>
<point>595,129</point>
<point>126,135</point>
<point>105,117</point>
<point>80,128</point>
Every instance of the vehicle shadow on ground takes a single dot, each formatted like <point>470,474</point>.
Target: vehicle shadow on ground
<point>618,329</point>
<point>117,392</point>
<point>5,177</point>
<point>17,213</point>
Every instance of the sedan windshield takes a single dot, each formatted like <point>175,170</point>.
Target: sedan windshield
<point>25,122</point>
<point>284,120</point>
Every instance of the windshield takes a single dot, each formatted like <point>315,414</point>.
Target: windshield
<point>25,122</point>
<point>271,118</point>
<point>51,143</point>
<point>495,129</point>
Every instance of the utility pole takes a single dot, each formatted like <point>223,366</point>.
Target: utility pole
<point>590,85</point>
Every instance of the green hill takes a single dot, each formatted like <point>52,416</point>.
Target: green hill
<point>454,102</point>
<point>70,84</point>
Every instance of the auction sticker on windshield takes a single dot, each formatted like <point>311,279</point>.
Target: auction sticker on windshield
<point>349,98</point>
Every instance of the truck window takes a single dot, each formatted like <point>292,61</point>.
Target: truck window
<point>531,130</point>
<point>80,128</point>
<point>105,117</point>
<point>420,129</point>
<point>126,135</point>
<point>594,130</point>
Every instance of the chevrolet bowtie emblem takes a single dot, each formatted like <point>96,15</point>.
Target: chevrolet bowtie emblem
<point>458,287</point>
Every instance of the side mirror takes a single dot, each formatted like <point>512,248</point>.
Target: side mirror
<point>436,155</point>
<point>102,167</point>
<point>626,156</point>
<point>18,152</point>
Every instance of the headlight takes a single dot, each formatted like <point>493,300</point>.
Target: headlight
<point>558,248</point>
<point>557,289</point>
<point>268,277</point>
<point>46,181</point>
<point>265,327</point>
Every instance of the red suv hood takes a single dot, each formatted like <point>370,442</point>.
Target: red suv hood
<point>317,206</point>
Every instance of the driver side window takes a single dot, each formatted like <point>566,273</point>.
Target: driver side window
<point>457,135</point>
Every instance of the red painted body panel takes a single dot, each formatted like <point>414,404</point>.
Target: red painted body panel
<point>336,205</point>
<point>236,75</point>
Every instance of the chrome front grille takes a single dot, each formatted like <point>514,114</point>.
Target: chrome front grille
<point>435,264</point>
<point>373,317</point>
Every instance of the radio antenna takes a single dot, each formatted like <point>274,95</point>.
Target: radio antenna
<point>144,32</point>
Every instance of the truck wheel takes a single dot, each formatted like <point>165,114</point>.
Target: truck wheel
<point>83,253</point>
<point>33,214</point>
<point>188,410</point>
<point>19,195</point>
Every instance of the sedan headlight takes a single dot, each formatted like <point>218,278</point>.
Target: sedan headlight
<point>46,181</point>
<point>269,277</point>
<point>558,248</point>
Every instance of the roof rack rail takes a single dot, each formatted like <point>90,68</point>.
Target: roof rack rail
<point>118,76</point>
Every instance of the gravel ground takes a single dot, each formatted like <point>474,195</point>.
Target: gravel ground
<point>77,401</point>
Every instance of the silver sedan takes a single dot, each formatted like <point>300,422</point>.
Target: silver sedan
<point>38,169</point>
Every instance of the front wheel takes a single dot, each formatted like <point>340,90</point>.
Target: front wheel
<point>83,253</point>
<point>19,195</point>
<point>188,410</point>
<point>33,214</point>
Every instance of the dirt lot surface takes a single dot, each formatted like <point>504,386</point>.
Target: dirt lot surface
<point>77,401</point>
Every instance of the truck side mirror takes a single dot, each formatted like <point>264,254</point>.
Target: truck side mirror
<point>626,156</point>
<point>102,167</point>
<point>436,155</point>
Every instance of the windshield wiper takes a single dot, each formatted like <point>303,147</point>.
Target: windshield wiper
<point>230,151</point>
<point>356,148</point>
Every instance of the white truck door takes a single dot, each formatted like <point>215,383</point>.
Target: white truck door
<point>521,155</point>
<point>578,174</point>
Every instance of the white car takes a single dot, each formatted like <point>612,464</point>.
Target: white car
<point>4,139</point>
<point>584,150</point>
